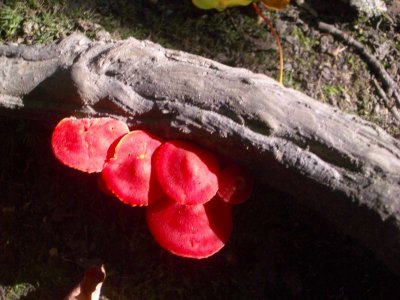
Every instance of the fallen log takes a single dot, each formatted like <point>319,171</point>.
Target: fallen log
<point>341,166</point>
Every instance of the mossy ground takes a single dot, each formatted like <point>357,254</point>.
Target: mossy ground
<point>54,221</point>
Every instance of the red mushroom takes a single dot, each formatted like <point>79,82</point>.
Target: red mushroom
<point>83,144</point>
<point>103,187</point>
<point>187,173</point>
<point>128,174</point>
<point>235,184</point>
<point>194,231</point>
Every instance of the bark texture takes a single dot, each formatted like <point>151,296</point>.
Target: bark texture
<point>343,167</point>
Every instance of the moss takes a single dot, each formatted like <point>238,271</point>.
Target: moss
<point>290,81</point>
<point>16,291</point>
<point>306,41</point>
<point>332,90</point>
<point>38,22</point>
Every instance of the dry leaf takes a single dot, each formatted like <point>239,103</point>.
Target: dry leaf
<point>276,4</point>
<point>90,286</point>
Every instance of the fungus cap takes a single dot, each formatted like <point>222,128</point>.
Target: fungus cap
<point>194,231</point>
<point>128,173</point>
<point>103,187</point>
<point>187,173</point>
<point>235,184</point>
<point>83,144</point>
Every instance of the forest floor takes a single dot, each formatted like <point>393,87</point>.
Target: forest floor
<point>56,223</point>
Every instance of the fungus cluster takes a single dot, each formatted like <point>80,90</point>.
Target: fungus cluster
<point>187,194</point>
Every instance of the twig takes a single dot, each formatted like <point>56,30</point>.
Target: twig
<point>392,107</point>
<point>388,83</point>
<point>390,88</point>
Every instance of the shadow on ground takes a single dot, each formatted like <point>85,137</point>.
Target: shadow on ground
<point>278,250</point>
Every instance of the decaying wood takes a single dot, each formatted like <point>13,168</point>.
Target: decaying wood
<point>343,167</point>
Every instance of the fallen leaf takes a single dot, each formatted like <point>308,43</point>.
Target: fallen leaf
<point>276,4</point>
<point>90,286</point>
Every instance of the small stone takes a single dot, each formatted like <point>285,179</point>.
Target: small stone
<point>371,8</point>
<point>28,28</point>
<point>324,43</point>
<point>326,74</point>
<point>103,35</point>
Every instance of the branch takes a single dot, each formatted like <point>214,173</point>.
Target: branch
<point>389,90</point>
<point>343,167</point>
<point>389,85</point>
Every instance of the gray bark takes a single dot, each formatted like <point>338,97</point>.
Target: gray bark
<point>343,167</point>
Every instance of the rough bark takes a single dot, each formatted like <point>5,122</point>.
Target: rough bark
<point>343,167</point>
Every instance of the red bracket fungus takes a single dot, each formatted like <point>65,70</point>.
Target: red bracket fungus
<point>83,144</point>
<point>103,187</point>
<point>194,231</point>
<point>128,174</point>
<point>187,174</point>
<point>235,184</point>
<point>180,182</point>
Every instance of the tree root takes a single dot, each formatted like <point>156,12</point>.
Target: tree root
<point>339,165</point>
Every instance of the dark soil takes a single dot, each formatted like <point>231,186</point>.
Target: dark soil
<point>54,222</point>
<point>278,250</point>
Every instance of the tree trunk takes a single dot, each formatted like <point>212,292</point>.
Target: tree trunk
<point>343,167</point>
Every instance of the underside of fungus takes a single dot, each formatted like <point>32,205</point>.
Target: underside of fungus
<point>180,183</point>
